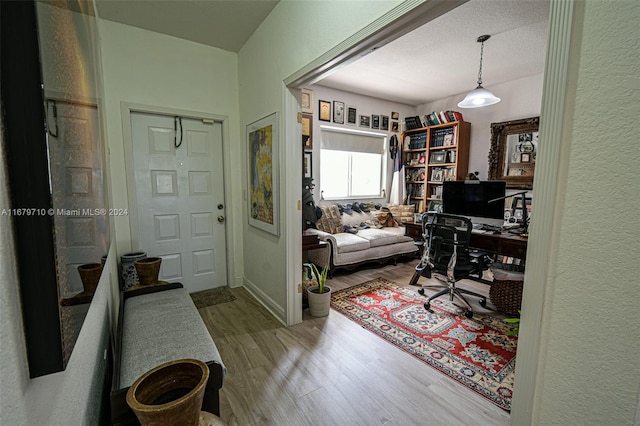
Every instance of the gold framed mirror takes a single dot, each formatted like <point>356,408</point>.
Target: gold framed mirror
<point>512,156</point>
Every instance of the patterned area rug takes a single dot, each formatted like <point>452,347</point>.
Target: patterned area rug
<point>214,296</point>
<point>475,352</point>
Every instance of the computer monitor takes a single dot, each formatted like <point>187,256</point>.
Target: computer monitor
<point>470,198</point>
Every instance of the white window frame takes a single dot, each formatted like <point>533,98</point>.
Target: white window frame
<point>383,165</point>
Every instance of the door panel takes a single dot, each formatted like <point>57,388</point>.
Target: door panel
<point>177,190</point>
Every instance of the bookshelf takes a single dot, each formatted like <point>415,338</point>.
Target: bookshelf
<point>432,155</point>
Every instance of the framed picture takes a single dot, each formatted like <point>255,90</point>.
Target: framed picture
<point>307,131</point>
<point>262,148</point>
<point>384,122</point>
<point>352,115</point>
<point>306,101</point>
<point>395,115</point>
<point>307,165</point>
<point>438,157</point>
<point>375,121</point>
<point>394,126</point>
<point>365,121</point>
<point>325,110</point>
<point>525,157</point>
<point>338,112</point>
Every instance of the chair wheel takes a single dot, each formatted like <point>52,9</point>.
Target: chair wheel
<point>468,314</point>
<point>427,306</point>
<point>483,302</point>
<point>421,291</point>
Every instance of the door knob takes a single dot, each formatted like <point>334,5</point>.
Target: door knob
<point>220,206</point>
<point>220,218</point>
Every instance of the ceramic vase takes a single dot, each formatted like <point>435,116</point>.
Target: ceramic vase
<point>319,304</point>
<point>147,270</point>
<point>170,394</point>
<point>90,275</point>
<point>128,270</point>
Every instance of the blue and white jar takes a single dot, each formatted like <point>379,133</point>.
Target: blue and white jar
<point>128,270</point>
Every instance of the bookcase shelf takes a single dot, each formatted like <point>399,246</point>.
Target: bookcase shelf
<point>434,154</point>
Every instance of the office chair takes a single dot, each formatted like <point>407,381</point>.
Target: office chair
<point>447,257</point>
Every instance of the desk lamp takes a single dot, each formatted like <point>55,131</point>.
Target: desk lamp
<point>525,217</point>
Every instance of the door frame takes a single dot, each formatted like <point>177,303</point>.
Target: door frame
<point>126,109</point>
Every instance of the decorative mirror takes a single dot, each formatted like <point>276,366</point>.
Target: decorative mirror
<point>512,157</point>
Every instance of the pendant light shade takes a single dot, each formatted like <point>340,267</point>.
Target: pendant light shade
<point>479,97</point>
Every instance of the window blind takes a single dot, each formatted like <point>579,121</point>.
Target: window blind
<point>355,142</point>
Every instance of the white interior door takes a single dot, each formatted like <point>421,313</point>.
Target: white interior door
<point>180,198</point>
<point>76,184</point>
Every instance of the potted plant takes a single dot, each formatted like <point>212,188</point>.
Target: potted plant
<point>319,295</point>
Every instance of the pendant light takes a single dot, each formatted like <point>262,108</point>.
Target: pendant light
<point>479,97</point>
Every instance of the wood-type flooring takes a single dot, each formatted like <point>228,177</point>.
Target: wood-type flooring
<point>331,371</point>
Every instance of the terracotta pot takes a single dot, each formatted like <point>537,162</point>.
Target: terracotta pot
<point>170,394</point>
<point>90,275</point>
<point>148,270</point>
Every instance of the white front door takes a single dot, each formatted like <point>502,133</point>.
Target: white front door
<point>180,198</point>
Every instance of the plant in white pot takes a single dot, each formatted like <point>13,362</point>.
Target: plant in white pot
<point>319,295</point>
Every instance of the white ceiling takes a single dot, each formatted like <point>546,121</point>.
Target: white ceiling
<point>436,61</point>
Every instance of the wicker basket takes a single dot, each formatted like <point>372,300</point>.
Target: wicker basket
<point>506,294</point>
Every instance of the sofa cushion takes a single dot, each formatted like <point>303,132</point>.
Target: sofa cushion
<point>330,221</point>
<point>379,237</point>
<point>347,243</point>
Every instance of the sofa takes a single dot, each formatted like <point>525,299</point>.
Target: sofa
<point>356,236</point>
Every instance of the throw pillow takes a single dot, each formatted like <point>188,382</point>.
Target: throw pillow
<point>330,221</point>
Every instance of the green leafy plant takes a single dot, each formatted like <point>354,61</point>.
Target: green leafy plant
<point>321,277</point>
<point>516,326</point>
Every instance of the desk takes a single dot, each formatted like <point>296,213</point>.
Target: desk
<point>503,244</point>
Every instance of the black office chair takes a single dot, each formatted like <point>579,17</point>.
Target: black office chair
<point>447,257</point>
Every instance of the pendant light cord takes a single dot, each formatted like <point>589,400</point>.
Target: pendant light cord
<point>480,70</point>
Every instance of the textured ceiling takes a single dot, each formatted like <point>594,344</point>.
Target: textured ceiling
<point>223,24</point>
<point>441,58</point>
<point>436,61</point>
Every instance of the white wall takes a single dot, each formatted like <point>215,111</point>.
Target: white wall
<point>292,36</point>
<point>365,105</point>
<point>519,99</point>
<point>148,68</point>
<point>588,369</point>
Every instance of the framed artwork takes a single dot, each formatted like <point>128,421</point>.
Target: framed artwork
<point>338,112</point>
<point>307,131</point>
<point>307,165</point>
<point>394,126</point>
<point>395,115</point>
<point>384,122</point>
<point>325,110</point>
<point>375,121</point>
<point>306,101</point>
<point>365,121</point>
<point>525,157</point>
<point>438,157</point>
<point>262,148</point>
<point>352,115</point>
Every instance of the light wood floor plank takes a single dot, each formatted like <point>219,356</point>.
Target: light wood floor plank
<point>331,371</point>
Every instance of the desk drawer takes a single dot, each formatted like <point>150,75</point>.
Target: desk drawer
<point>514,249</point>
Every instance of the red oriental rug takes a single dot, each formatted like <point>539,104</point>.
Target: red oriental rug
<point>475,352</point>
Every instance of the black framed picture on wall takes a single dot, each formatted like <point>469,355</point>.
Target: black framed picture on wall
<point>352,115</point>
<point>325,110</point>
<point>365,121</point>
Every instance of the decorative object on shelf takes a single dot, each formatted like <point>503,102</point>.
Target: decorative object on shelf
<point>320,294</point>
<point>128,271</point>
<point>90,275</point>
<point>170,394</point>
<point>148,270</point>
<point>479,97</point>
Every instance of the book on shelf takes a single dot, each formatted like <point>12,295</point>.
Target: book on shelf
<point>412,122</point>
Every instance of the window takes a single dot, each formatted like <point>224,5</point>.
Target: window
<point>352,163</point>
